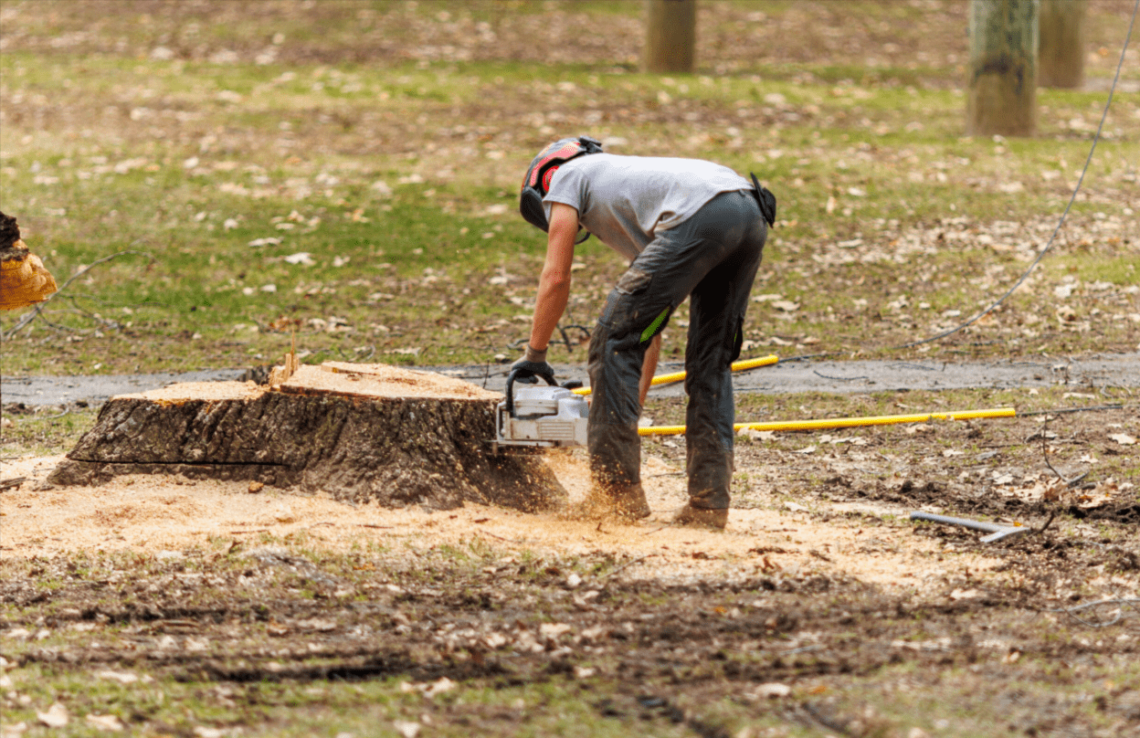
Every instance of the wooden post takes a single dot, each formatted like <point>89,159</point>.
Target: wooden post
<point>1003,68</point>
<point>671,36</point>
<point>1061,51</point>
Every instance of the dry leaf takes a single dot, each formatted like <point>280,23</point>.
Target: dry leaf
<point>105,722</point>
<point>304,258</point>
<point>55,717</point>
<point>966,594</point>
<point>772,690</point>
<point>406,728</point>
<point>439,687</point>
<point>123,677</point>
<point>1123,439</point>
<point>553,630</point>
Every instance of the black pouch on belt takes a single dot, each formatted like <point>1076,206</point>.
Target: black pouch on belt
<point>765,199</point>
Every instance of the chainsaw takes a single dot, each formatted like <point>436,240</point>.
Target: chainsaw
<point>536,416</point>
<point>555,415</point>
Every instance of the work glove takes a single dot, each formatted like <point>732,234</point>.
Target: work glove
<point>533,365</point>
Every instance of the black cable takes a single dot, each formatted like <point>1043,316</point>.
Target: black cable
<point>1071,410</point>
<point>1064,215</point>
<point>838,379</point>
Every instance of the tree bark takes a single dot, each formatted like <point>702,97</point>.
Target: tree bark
<point>1061,48</point>
<point>393,450</point>
<point>671,36</point>
<point>1003,68</point>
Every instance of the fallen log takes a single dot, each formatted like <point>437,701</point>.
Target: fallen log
<point>363,433</point>
<point>23,279</point>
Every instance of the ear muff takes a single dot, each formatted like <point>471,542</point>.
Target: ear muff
<point>538,177</point>
<point>532,210</point>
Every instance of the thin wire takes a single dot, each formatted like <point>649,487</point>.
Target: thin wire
<point>1064,215</point>
<point>1123,602</point>
<point>31,315</point>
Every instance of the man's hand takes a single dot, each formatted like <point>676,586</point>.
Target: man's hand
<point>533,364</point>
<point>528,370</point>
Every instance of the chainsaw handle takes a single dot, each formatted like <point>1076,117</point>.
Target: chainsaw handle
<point>511,389</point>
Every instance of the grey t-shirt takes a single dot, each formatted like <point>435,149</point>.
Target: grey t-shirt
<point>625,200</point>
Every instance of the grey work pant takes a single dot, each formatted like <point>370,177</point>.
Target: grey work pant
<point>711,258</point>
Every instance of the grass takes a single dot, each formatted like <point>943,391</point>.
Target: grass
<point>399,181</point>
<point>45,433</point>
<point>394,163</point>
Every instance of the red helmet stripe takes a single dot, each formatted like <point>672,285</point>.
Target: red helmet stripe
<point>547,177</point>
<point>549,154</point>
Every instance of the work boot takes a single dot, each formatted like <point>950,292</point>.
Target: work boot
<point>630,502</point>
<point>701,517</point>
<point>625,501</point>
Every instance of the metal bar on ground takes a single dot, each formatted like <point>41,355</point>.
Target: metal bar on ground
<point>996,531</point>
<point>738,366</point>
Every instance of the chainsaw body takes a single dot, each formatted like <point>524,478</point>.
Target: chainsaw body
<point>536,416</point>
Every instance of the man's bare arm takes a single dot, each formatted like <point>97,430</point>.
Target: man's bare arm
<point>554,284</point>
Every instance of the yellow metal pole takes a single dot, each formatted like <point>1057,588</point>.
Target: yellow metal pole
<point>738,366</point>
<point>801,425</point>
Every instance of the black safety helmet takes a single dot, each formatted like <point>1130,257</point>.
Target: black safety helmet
<point>537,181</point>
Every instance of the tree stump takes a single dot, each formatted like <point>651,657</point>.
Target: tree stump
<point>357,432</point>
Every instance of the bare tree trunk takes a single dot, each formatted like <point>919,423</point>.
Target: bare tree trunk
<point>1061,53</point>
<point>1003,68</point>
<point>671,37</point>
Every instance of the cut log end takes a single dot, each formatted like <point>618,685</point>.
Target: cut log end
<point>364,433</point>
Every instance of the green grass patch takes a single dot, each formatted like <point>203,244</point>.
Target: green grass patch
<point>398,177</point>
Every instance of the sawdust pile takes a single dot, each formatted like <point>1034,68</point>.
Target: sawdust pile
<point>154,514</point>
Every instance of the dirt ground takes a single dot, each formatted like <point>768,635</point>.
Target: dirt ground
<point>819,586</point>
<point>162,606</point>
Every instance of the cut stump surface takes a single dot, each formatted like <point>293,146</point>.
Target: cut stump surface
<point>357,432</point>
